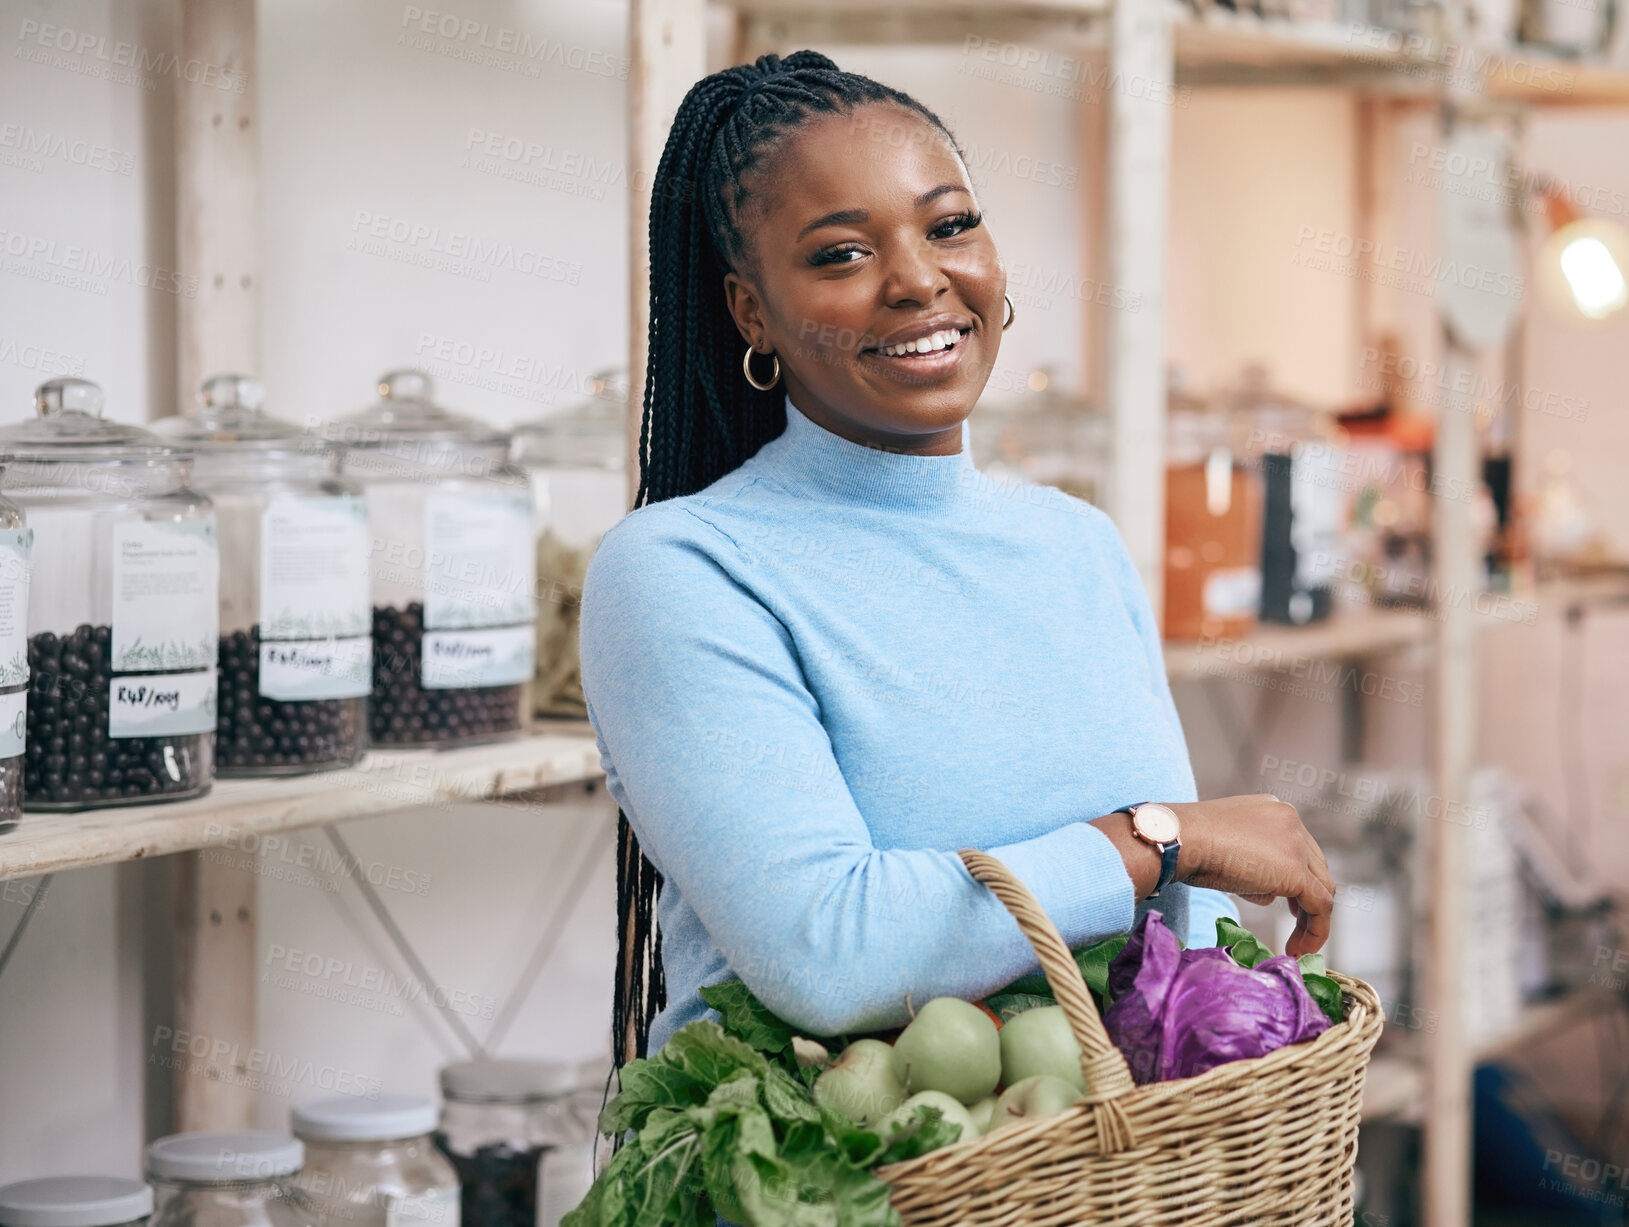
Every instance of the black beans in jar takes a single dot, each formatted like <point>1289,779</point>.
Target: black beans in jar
<point>255,735</point>
<point>69,759</point>
<point>403,712</point>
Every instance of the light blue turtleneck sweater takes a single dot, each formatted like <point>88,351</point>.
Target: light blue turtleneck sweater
<point>815,680</point>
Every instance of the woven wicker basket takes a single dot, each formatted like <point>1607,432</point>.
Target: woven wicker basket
<point>1267,1141</point>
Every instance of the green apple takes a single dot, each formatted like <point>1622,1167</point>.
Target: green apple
<point>1040,1042</point>
<point>950,1046</point>
<point>951,1109</point>
<point>1042,1095</point>
<point>983,1112</point>
<point>861,1083</point>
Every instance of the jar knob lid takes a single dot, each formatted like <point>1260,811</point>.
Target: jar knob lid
<point>232,392</point>
<point>406,384</point>
<point>68,395</point>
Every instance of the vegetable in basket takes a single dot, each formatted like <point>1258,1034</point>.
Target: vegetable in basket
<point>1178,1013</point>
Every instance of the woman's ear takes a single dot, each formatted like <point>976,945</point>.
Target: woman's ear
<point>745,308</point>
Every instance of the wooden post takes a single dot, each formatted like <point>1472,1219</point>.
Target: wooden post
<point>1449,1065</point>
<point>1139,156</point>
<point>216,955</point>
<point>667,52</point>
<point>217,194</point>
<point>218,237</point>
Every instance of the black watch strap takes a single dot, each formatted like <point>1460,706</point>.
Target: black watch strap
<point>1168,860</point>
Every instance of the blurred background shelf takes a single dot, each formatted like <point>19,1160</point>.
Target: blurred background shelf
<point>556,753</point>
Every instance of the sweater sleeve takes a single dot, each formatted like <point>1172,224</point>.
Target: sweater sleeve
<point>1198,907</point>
<point>714,747</point>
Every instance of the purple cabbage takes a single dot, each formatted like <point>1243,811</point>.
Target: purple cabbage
<point>1178,1013</point>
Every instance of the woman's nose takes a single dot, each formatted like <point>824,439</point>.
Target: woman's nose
<point>914,276</point>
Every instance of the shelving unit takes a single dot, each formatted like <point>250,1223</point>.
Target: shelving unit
<point>242,812</point>
<point>1169,44</point>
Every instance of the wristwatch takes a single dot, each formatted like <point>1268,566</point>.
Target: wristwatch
<point>1157,824</point>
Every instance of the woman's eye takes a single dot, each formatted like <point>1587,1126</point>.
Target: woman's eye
<point>952,226</point>
<point>836,255</point>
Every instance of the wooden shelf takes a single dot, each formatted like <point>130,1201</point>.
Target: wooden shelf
<point>1393,1089</point>
<point>1542,1018</point>
<point>561,752</point>
<point>1282,649</point>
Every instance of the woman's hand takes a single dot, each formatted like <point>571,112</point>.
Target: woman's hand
<point>1254,847</point>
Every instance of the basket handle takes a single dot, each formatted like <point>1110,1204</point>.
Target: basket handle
<point>1107,1077</point>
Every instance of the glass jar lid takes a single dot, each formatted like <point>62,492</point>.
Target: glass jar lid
<point>590,434</point>
<point>346,1118</point>
<point>224,1158</point>
<point>505,1081</point>
<point>406,412</point>
<point>68,426</point>
<point>74,1201</point>
<point>229,417</point>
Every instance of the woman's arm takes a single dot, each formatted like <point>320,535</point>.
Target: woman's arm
<point>732,787</point>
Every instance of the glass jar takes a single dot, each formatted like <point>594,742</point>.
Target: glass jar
<point>16,543</point>
<point>452,572</point>
<point>568,1168</point>
<point>75,1201</point>
<point>372,1162</point>
<point>295,619</point>
<point>500,1119</point>
<point>123,624</point>
<point>229,1180</point>
<point>577,463</point>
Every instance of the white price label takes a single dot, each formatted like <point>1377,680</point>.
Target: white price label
<point>496,656</point>
<point>161,704</point>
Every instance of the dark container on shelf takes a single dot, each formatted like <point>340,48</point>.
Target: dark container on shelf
<point>500,1120</point>
<point>122,614</point>
<point>453,572</point>
<point>296,643</point>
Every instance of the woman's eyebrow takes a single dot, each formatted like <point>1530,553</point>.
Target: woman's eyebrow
<point>853,217</point>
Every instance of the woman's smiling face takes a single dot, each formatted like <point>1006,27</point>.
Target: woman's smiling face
<point>868,236</point>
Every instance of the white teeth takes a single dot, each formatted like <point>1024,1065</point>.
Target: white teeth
<point>924,345</point>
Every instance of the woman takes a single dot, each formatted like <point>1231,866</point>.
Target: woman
<point>824,653</point>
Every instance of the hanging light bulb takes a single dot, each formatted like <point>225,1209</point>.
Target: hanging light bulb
<point>1582,264</point>
<point>1594,277</point>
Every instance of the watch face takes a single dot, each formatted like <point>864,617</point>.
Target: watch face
<point>1156,824</point>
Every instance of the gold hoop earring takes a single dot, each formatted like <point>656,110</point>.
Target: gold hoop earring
<point>746,369</point>
<point>1012,313</point>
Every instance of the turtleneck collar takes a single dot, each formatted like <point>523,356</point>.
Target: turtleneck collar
<point>813,460</point>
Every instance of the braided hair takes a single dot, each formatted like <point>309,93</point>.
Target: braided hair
<point>701,418</point>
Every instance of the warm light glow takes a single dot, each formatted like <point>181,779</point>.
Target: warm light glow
<point>1583,270</point>
<point>1038,381</point>
<point>1592,274</point>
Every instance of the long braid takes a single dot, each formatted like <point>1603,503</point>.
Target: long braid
<point>701,418</point>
